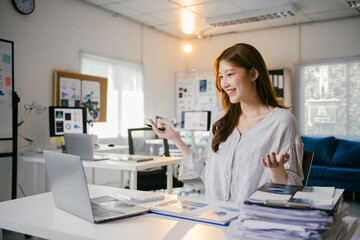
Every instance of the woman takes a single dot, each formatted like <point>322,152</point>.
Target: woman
<point>253,141</point>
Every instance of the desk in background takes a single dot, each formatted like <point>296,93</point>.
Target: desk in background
<point>199,144</point>
<point>31,176</point>
<point>38,216</point>
<point>113,149</point>
<point>193,141</point>
<point>38,158</point>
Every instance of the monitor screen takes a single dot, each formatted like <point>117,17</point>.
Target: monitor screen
<point>196,120</point>
<point>67,120</point>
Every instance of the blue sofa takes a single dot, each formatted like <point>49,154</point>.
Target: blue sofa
<point>336,162</point>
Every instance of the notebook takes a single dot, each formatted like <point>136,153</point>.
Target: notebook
<point>80,144</point>
<point>71,194</point>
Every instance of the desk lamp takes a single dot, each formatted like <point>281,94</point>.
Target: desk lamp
<point>39,109</point>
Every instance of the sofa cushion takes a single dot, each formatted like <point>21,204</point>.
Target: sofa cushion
<point>323,148</point>
<point>340,173</point>
<point>347,154</point>
<point>317,171</point>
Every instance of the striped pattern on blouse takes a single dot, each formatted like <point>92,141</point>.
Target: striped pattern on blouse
<point>235,171</point>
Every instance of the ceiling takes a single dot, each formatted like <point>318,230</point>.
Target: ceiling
<point>166,15</point>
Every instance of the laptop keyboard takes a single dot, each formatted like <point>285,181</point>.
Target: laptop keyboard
<point>102,212</point>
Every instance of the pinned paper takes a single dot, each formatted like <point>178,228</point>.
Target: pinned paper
<point>6,58</point>
<point>7,81</point>
<point>70,92</point>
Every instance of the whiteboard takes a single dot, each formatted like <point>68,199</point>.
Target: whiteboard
<point>195,90</point>
<point>6,88</point>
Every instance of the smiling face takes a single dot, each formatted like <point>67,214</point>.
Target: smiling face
<point>235,81</point>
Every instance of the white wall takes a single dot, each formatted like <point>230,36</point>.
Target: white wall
<point>160,56</point>
<point>287,46</point>
<point>52,37</point>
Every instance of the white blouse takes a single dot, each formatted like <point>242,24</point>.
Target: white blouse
<point>235,171</point>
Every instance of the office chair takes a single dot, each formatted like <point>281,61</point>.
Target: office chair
<point>140,146</point>
<point>153,178</point>
<point>306,165</point>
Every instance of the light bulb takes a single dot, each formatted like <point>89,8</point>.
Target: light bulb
<point>187,48</point>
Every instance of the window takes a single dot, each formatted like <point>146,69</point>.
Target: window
<point>329,102</point>
<point>125,96</point>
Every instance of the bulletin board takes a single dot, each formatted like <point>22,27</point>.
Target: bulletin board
<point>71,88</point>
<point>195,90</point>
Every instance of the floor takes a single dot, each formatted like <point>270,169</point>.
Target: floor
<point>354,211</point>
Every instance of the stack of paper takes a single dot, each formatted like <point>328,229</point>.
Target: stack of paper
<point>292,212</point>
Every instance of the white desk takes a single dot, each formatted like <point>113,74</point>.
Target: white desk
<point>38,216</point>
<point>38,173</point>
<point>38,158</point>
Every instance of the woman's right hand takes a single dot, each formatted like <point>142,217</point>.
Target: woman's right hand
<point>169,133</point>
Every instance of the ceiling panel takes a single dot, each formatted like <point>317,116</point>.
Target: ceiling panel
<point>149,6</point>
<point>186,3</point>
<point>334,14</point>
<point>201,26</point>
<point>172,16</point>
<point>175,29</point>
<point>150,20</point>
<point>259,4</point>
<point>166,15</point>
<point>311,6</point>
<point>115,7</point>
<point>213,9</point>
<point>100,2</point>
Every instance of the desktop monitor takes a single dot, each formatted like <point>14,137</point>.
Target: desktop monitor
<point>196,120</point>
<point>67,120</point>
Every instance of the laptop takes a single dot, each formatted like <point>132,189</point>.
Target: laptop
<point>71,194</point>
<point>80,144</point>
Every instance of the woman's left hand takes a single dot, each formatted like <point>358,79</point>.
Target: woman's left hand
<point>273,161</point>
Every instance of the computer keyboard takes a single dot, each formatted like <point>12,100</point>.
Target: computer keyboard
<point>102,212</point>
<point>141,197</point>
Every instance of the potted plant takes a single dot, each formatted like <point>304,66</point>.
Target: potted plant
<point>92,107</point>
<point>93,110</point>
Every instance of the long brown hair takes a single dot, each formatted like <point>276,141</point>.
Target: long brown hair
<point>245,56</point>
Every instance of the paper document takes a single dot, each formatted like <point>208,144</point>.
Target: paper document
<point>263,196</point>
<point>69,92</point>
<point>291,196</point>
<point>197,210</point>
<point>309,213</point>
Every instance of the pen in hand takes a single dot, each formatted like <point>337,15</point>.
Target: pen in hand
<point>160,128</point>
